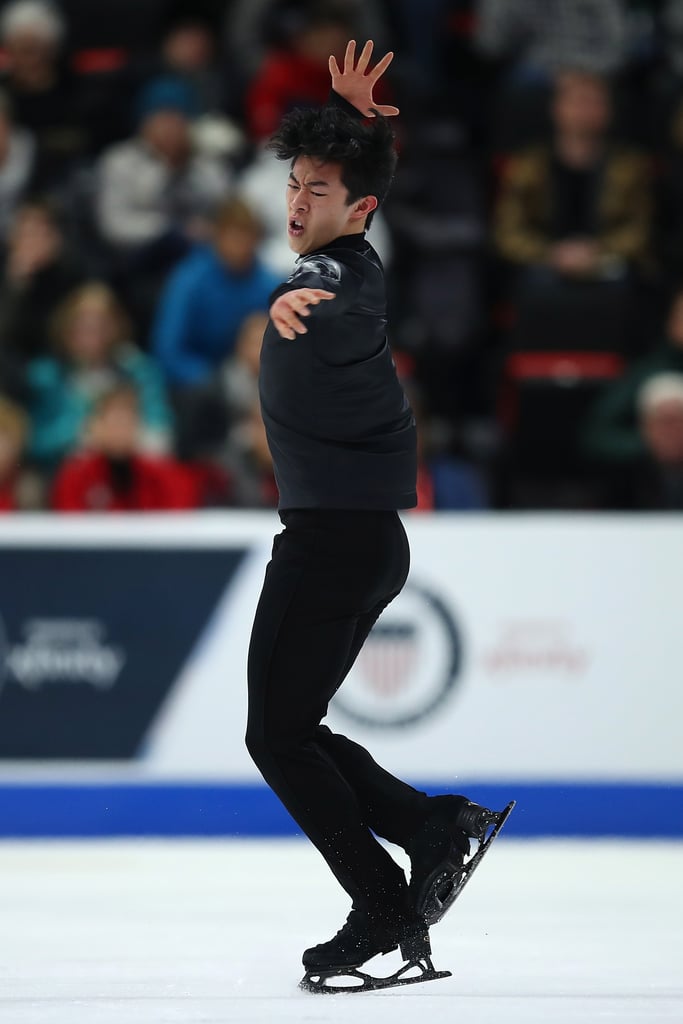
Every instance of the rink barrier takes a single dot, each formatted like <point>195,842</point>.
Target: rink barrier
<point>626,810</point>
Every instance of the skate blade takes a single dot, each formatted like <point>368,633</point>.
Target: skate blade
<point>447,886</point>
<point>318,982</point>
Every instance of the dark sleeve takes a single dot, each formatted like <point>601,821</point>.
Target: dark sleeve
<point>335,100</point>
<point>329,274</point>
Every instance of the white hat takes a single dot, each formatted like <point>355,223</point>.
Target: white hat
<point>37,16</point>
<point>660,388</point>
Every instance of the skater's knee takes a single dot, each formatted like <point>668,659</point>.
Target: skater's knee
<point>256,744</point>
<point>262,743</point>
<point>270,743</point>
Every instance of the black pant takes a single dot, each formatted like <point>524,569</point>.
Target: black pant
<point>330,576</point>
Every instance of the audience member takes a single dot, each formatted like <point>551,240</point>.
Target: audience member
<point>156,189</point>
<point>189,51</point>
<point>42,92</point>
<point>17,161</point>
<point>240,370</point>
<point>612,434</point>
<point>39,270</point>
<point>542,37</point>
<point>199,315</point>
<point>256,26</point>
<point>296,74</point>
<point>19,488</point>
<point>209,294</point>
<point>249,462</point>
<point>573,216</point>
<point>531,41</point>
<point>93,348</point>
<point>113,473</point>
<point>445,481</point>
<point>655,481</point>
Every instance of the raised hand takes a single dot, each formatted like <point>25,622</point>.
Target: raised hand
<point>355,84</point>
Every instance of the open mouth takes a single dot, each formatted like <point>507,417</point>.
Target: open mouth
<point>296,228</point>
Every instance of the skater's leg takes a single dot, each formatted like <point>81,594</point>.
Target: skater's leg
<point>323,575</point>
<point>392,808</point>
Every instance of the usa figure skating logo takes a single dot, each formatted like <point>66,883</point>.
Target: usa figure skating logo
<point>409,665</point>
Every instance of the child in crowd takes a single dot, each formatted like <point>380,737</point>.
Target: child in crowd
<point>92,336</point>
<point>113,474</point>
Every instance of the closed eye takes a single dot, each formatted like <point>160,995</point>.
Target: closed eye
<point>296,187</point>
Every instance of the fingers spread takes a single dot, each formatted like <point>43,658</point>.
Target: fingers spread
<point>334,67</point>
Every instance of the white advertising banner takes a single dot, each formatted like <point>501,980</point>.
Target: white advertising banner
<point>525,647</point>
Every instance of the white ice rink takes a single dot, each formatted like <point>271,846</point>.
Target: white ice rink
<point>212,932</point>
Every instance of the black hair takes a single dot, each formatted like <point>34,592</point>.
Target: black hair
<point>364,148</point>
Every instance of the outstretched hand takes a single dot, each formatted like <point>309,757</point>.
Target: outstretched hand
<point>355,85</point>
<point>287,310</point>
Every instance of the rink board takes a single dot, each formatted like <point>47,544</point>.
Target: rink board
<point>529,656</point>
<point>589,811</point>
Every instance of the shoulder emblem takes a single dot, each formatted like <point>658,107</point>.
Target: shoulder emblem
<point>323,266</point>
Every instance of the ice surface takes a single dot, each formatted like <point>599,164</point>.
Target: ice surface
<point>206,932</point>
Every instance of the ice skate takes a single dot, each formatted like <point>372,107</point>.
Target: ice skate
<point>439,852</point>
<point>333,967</point>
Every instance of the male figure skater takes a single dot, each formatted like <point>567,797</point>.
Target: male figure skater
<point>342,438</point>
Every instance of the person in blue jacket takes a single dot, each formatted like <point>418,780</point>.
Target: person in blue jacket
<point>208,296</point>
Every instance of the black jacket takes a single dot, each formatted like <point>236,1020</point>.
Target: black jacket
<point>340,429</point>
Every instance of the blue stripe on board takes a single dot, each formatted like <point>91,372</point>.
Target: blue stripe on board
<point>549,809</point>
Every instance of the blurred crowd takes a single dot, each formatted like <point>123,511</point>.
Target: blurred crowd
<point>533,242</point>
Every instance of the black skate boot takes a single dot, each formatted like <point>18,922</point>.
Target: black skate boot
<point>438,852</point>
<point>358,941</point>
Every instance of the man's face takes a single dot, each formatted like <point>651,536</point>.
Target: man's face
<point>317,206</point>
<point>168,132</point>
<point>663,432</point>
<point>581,105</point>
<point>237,245</point>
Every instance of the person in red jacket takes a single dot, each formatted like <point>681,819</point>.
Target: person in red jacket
<point>111,474</point>
<point>296,74</point>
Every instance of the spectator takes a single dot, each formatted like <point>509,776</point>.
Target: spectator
<point>92,337</point>
<point>297,73</point>
<point>241,369</point>
<point>445,481</point>
<point>188,50</point>
<point>541,37</point>
<point>41,90</point>
<point>208,296</point>
<point>249,462</point>
<point>19,489</point>
<point>156,189</point>
<point>113,474</point>
<point>655,481</point>
<point>573,217</point>
<point>253,26</point>
<point>17,160</point>
<point>203,304</point>
<point>612,434</point>
<point>39,271</point>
